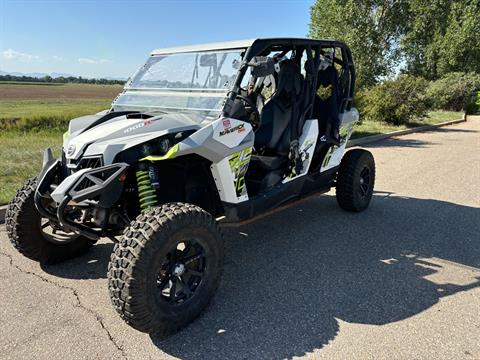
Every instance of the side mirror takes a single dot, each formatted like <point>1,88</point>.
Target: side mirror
<point>208,60</point>
<point>262,66</point>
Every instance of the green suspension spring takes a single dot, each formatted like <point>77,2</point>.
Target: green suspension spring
<point>146,192</point>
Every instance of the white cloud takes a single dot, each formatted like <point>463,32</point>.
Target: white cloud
<point>11,54</point>
<point>57,58</point>
<point>93,61</point>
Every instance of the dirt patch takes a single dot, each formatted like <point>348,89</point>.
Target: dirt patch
<point>67,91</point>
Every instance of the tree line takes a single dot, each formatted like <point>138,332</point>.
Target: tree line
<point>428,50</point>
<point>427,38</point>
<point>61,80</point>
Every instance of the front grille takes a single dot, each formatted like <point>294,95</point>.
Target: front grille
<point>84,163</point>
<point>90,162</point>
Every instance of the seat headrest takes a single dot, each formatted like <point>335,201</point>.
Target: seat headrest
<point>289,78</point>
<point>309,66</point>
<point>327,76</point>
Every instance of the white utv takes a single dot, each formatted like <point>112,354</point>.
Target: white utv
<point>199,136</point>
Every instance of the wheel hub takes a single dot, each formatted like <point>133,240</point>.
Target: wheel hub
<point>179,269</point>
<point>364,182</point>
<point>181,272</point>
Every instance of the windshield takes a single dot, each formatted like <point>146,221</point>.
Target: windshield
<point>195,81</point>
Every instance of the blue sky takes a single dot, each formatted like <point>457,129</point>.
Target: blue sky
<point>113,38</point>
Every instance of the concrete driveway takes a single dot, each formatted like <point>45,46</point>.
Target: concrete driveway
<point>399,281</point>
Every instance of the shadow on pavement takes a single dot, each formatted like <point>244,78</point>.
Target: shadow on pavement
<point>92,265</point>
<point>400,142</point>
<point>289,277</point>
<point>293,274</point>
<point>451,129</point>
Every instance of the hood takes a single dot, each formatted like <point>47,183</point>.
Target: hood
<point>120,133</point>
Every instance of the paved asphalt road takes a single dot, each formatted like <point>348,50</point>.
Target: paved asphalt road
<point>399,281</point>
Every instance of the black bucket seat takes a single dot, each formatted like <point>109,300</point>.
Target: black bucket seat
<point>278,117</point>
<point>281,113</point>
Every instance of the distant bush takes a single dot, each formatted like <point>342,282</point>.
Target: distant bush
<point>456,91</point>
<point>396,102</point>
<point>473,106</point>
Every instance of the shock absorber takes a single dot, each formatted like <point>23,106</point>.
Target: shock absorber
<point>147,194</point>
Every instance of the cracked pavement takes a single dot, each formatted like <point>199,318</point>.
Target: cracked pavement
<point>69,319</point>
<point>399,281</point>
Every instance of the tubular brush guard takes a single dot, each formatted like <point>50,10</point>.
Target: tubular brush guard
<point>101,187</point>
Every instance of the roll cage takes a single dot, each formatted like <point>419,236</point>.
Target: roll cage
<point>313,49</point>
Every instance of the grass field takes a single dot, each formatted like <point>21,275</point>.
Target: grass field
<point>33,116</point>
<point>21,155</point>
<point>37,106</point>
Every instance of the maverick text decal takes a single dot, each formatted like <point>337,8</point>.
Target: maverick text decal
<point>227,130</point>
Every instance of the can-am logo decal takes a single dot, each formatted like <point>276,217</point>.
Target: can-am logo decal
<point>226,124</point>
<point>137,126</point>
<point>240,128</point>
<point>70,150</point>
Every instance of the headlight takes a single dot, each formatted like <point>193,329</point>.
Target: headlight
<point>164,145</point>
<point>155,147</point>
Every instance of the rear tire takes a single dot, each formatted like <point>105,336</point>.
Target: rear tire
<point>177,244</point>
<point>24,230</point>
<point>355,180</point>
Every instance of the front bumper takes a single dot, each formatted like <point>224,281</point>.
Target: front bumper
<point>98,187</point>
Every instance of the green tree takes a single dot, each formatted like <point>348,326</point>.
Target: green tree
<point>442,36</point>
<point>396,101</point>
<point>455,91</point>
<point>371,28</point>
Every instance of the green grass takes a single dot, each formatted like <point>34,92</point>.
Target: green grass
<point>21,154</point>
<point>368,128</point>
<point>21,151</point>
<point>34,106</point>
<point>33,117</point>
<point>27,115</point>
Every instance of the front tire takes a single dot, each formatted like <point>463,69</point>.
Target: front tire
<point>27,231</point>
<point>166,268</point>
<point>355,180</point>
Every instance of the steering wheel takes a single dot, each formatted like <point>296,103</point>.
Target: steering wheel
<point>254,120</point>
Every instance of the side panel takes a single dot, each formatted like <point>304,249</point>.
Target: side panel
<point>335,153</point>
<point>228,144</point>
<point>307,141</point>
<point>229,176</point>
<point>221,138</point>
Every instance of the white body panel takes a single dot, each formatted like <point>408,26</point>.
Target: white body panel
<point>335,154</point>
<point>79,142</point>
<point>229,175</point>
<point>307,143</point>
<point>230,132</point>
<point>333,157</point>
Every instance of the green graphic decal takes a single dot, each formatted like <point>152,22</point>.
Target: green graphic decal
<point>328,155</point>
<point>345,132</point>
<point>239,165</point>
